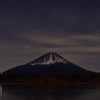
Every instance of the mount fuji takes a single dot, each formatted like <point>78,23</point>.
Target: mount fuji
<point>49,59</point>
<point>48,64</point>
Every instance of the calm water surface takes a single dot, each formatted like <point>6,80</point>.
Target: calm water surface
<point>47,91</point>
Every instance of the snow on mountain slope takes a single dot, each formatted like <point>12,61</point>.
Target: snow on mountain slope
<point>49,58</point>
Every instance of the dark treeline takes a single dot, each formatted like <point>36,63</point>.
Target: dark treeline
<point>45,78</point>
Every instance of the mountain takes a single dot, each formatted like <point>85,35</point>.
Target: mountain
<point>48,64</point>
<point>49,59</point>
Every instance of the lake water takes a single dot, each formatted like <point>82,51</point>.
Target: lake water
<point>50,91</point>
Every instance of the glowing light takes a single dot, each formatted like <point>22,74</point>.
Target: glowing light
<point>27,47</point>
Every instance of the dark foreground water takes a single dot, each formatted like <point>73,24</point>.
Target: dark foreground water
<point>47,91</point>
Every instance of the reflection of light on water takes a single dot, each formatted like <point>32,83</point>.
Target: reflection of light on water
<point>0,90</point>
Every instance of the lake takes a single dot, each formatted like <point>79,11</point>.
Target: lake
<point>49,91</point>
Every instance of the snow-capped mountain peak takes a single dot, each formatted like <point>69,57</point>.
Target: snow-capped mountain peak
<point>49,58</point>
<point>50,64</point>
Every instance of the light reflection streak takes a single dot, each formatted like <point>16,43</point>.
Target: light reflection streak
<point>0,90</point>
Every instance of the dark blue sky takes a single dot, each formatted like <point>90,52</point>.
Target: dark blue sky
<point>31,28</point>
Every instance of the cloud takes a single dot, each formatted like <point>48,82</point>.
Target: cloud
<point>62,41</point>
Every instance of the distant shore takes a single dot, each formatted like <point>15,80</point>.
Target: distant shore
<point>52,79</point>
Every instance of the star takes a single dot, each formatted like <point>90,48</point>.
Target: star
<point>27,18</point>
<point>76,7</point>
<point>36,23</point>
<point>27,46</point>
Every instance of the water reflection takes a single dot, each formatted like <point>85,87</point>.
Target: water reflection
<point>50,91</point>
<point>0,90</point>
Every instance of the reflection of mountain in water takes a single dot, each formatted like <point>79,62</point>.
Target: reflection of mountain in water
<point>51,92</point>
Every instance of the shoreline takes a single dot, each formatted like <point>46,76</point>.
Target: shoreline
<point>51,79</point>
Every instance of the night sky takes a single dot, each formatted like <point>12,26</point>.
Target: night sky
<point>31,28</point>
